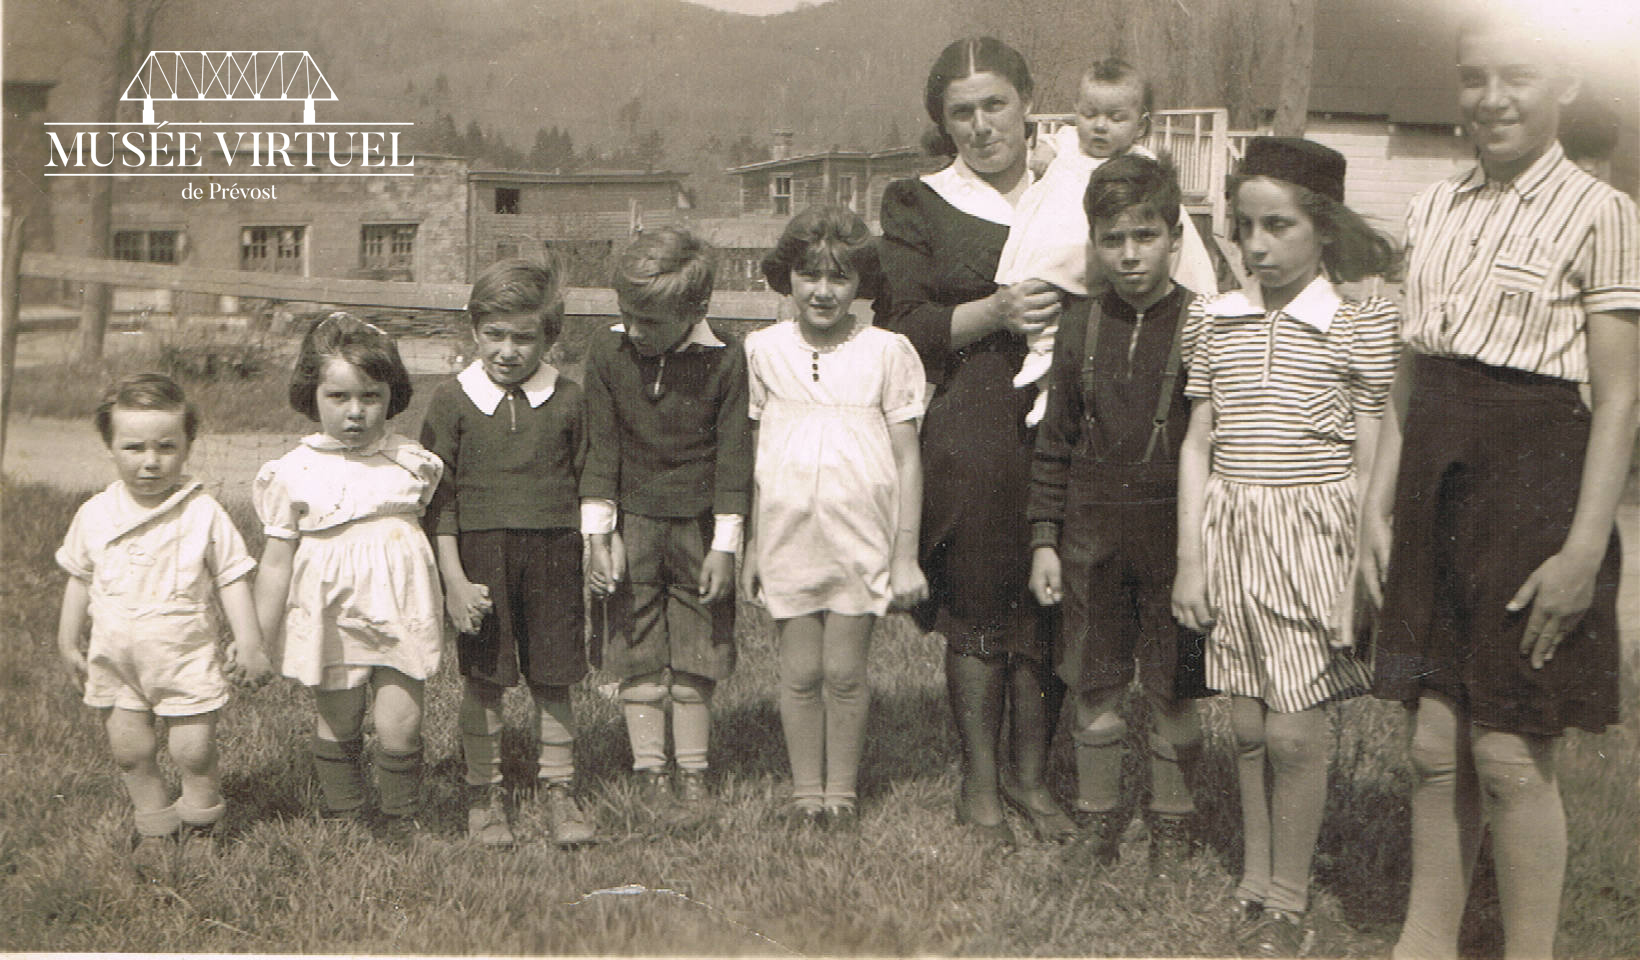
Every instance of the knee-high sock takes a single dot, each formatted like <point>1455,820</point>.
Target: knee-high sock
<point>691,719</point>
<point>1247,721</point>
<point>1446,828</point>
<point>802,712</point>
<point>555,735</point>
<point>341,777</point>
<point>398,781</point>
<point>1297,746</point>
<point>1521,799</point>
<point>480,724</point>
<point>641,705</point>
<point>1099,735</point>
<point>848,702</point>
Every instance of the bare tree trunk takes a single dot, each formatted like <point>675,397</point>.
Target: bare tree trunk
<point>1297,56</point>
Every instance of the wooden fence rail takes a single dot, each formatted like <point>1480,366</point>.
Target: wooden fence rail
<point>587,301</point>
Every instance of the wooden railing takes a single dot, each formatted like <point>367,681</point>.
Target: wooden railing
<point>585,301</point>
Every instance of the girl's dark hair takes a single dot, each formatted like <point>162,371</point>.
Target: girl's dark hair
<point>342,336</point>
<point>1133,180</point>
<point>962,59</point>
<point>145,391</point>
<point>826,234</point>
<point>1352,250</point>
<point>520,286</point>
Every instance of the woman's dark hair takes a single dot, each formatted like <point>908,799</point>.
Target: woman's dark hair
<point>145,391</point>
<point>342,336</point>
<point>1133,180</point>
<point>825,234</point>
<point>962,59</point>
<point>1352,250</point>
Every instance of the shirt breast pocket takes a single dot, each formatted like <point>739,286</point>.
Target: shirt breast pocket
<point>1326,414</point>
<point>1524,265</point>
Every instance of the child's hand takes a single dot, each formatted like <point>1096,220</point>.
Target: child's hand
<point>906,579</point>
<point>1345,611</point>
<point>748,573</point>
<point>75,661</point>
<point>1190,597</point>
<point>248,665</point>
<point>467,604</point>
<point>717,576</point>
<point>600,575</point>
<point>1046,582</point>
<point>1372,559</point>
<point>1560,591</point>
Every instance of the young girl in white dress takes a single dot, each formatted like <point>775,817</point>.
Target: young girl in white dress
<point>348,594</point>
<point>838,500</point>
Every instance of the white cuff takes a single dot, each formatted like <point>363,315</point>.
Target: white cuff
<point>597,517</point>
<point>726,531</point>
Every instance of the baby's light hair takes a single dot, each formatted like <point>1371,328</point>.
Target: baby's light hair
<point>832,232</point>
<point>342,336</point>
<point>1114,71</point>
<point>145,391</point>
<point>520,286</point>
<point>666,269</point>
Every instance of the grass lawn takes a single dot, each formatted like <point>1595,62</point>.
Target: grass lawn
<point>727,879</point>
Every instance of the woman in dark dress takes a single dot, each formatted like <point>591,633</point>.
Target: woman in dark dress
<point>942,238</point>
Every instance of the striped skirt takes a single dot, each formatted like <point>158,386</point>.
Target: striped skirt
<point>1277,558</point>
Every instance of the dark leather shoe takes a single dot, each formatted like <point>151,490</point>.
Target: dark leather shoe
<point>1048,821</point>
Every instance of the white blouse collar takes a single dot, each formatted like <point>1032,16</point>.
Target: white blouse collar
<point>487,396</point>
<point>964,189</point>
<point>1315,304</point>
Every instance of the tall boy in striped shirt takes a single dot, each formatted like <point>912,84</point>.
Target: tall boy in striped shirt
<point>1499,617</point>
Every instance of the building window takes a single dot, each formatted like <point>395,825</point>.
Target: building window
<point>506,199</point>
<point>148,246</point>
<point>781,188</point>
<point>272,249</point>
<point>845,192</point>
<point>388,249</point>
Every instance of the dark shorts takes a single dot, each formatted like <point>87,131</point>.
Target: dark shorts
<point>535,630</point>
<point>656,620</point>
<point>1491,464</point>
<point>1117,562</point>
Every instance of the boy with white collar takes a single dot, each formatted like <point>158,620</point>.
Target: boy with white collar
<point>671,452</point>
<point>505,524</point>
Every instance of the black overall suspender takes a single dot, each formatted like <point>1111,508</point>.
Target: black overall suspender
<point>1170,372</point>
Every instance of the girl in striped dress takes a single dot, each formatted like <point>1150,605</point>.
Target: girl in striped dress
<point>1288,381</point>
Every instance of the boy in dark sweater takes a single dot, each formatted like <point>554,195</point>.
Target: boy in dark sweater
<point>1103,507</point>
<point>504,522</point>
<point>664,498</point>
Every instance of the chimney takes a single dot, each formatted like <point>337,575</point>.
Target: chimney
<point>781,149</point>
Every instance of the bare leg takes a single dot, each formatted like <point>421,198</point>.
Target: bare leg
<point>844,651</point>
<point>802,712</point>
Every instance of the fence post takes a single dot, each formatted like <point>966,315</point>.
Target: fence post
<point>10,316</point>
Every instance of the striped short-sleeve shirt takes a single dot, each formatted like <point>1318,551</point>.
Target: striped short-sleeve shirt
<point>1507,273</point>
<point>1286,385</point>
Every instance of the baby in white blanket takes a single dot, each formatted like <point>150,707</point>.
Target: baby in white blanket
<point>1049,237</point>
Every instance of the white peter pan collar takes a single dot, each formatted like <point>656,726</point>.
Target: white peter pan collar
<point>1315,304</point>
<point>964,189</point>
<point>487,396</point>
<point>700,335</point>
